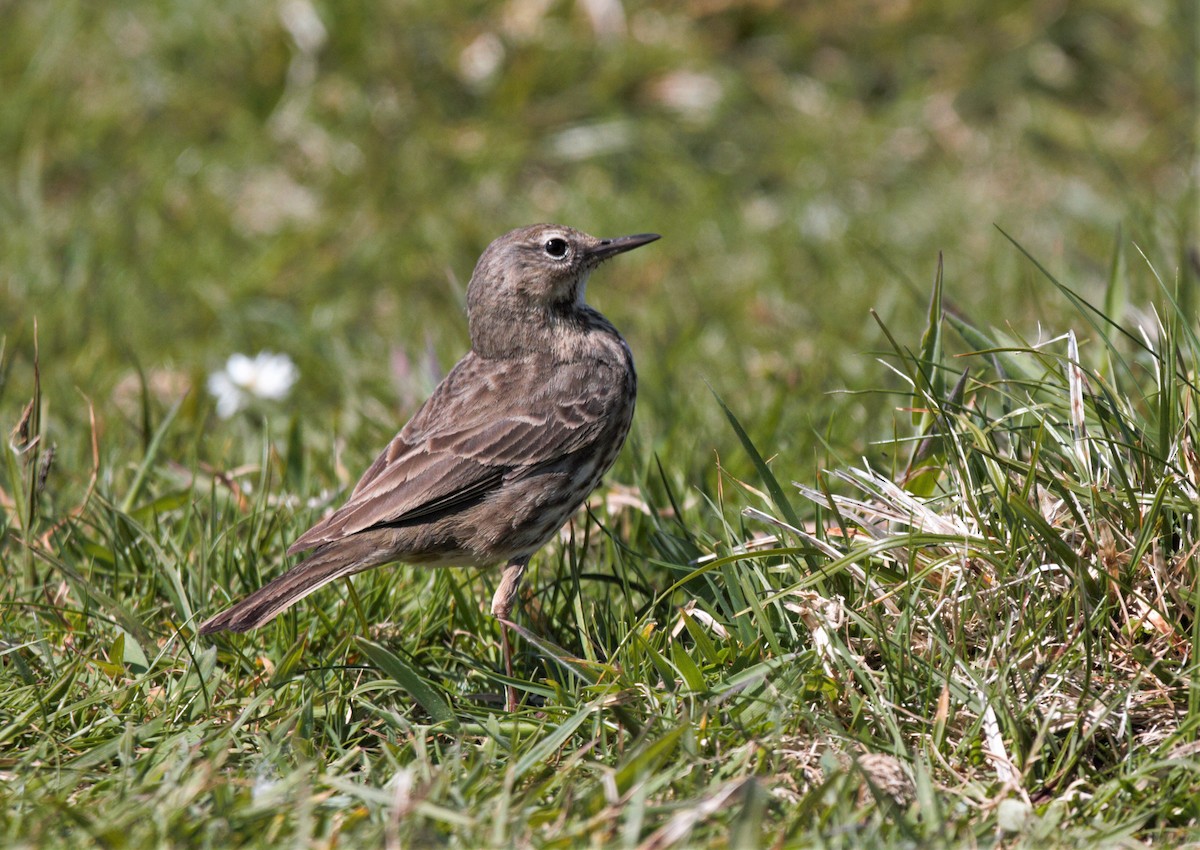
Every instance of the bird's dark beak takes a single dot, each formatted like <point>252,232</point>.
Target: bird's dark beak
<point>609,247</point>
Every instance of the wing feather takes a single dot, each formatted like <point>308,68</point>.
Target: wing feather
<point>486,422</point>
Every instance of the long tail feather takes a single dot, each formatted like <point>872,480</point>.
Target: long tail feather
<point>261,606</point>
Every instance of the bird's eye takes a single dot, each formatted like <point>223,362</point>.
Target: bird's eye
<point>556,248</point>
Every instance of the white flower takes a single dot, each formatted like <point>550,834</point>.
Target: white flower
<point>266,376</point>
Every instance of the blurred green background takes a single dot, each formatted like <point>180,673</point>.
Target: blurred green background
<point>183,180</point>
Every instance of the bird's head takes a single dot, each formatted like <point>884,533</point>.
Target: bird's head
<point>531,273</point>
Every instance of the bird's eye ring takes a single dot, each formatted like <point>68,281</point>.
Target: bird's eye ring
<point>556,248</point>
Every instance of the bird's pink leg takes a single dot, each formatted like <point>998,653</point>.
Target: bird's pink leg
<point>502,603</point>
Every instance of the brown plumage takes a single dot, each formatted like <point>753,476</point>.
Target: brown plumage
<point>507,447</point>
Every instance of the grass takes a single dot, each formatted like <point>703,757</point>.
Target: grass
<point>951,605</point>
<point>991,642</point>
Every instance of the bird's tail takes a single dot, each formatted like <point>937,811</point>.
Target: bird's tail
<point>319,569</point>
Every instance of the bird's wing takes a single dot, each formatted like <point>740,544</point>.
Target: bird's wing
<point>485,420</point>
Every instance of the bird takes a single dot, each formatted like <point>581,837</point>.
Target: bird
<point>504,451</point>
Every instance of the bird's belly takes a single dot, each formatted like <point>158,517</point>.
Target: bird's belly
<point>523,515</point>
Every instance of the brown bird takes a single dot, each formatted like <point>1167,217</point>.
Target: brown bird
<point>505,450</point>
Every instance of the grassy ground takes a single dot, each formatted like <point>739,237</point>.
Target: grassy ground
<point>918,571</point>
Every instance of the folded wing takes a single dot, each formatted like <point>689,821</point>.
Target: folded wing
<point>463,443</point>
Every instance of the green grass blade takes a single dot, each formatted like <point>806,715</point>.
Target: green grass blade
<point>778,496</point>
<point>403,675</point>
<point>150,457</point>
<point>552,743</point>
